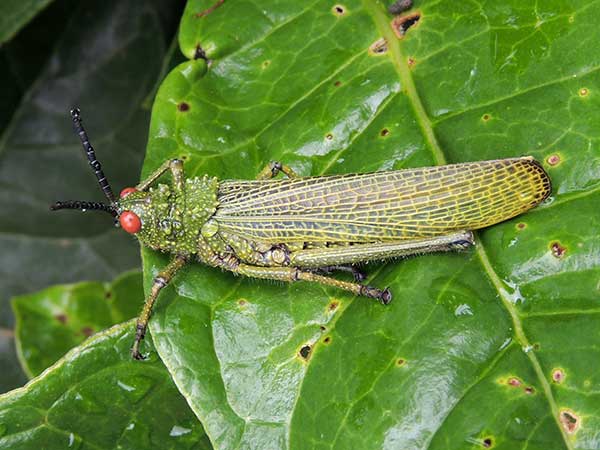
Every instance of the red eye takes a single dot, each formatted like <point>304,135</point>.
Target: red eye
<point>125,192</point>
<point>130,222</point>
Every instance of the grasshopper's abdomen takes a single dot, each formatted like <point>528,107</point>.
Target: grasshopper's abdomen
<point>382,206</point>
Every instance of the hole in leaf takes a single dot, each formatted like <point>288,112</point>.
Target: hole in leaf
<point>557,249</point>
<point>401,24</point>
<point>569,421</point>
<point>305,352</point>
<point>487,442</point>
<point>339,10</point>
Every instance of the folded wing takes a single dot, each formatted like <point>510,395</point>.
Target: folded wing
<point>382,206</point>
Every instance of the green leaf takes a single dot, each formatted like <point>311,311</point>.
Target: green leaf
<point>97,397</point>
<point>106,59</point>
<point>53,321</point>
<point>495,347</point>
<point>15,14</point>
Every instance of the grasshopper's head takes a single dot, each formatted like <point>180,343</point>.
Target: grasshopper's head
<point>129,211</point>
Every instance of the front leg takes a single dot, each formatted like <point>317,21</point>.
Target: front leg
<point>160,281</point>
<point>176,167</point>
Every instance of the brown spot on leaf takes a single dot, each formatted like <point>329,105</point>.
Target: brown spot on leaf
<point>514,381</point>
<point>379,47</point>
<point>266,64</point>
<point>553,160</point>
<point>486,117</point>
<point>87,331</point>
<point>242,302</point>
<point>411,62</point>
<point>569,420</point>
<point>107,295</point>
<point>322,328</point>
<point>333,305</point>
<point>583,92</point>
<point>400,362</point>
<point>183,107</point>
<point>521,226</point>
<point>384,132</point>
<point>62,318</point>
<point>329,136</point>
<point>401,24</point>
<point>487,442</point>
<point>529,390</point>
<point>557,249</point>
<point>327,340</point>
<point>558,376</point>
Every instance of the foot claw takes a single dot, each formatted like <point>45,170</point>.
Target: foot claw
<point>135,352</point>
<point>386,297</point>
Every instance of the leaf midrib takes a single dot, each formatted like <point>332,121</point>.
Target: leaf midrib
<point>408,86</point>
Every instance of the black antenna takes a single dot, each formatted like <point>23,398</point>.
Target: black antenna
<point>94,163</point>
<point>83,206</point>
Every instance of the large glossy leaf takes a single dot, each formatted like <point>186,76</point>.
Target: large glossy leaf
<point>53,321</point>
<point>495,347</point>
<point>105,57</point>
<point>96,397</point>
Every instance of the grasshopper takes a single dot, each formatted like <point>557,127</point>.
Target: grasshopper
<point>303,228</point>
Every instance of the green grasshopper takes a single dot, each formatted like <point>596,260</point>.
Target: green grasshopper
<point>303,228</point>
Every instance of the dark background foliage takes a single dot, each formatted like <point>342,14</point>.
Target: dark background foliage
<point>107,57</point>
